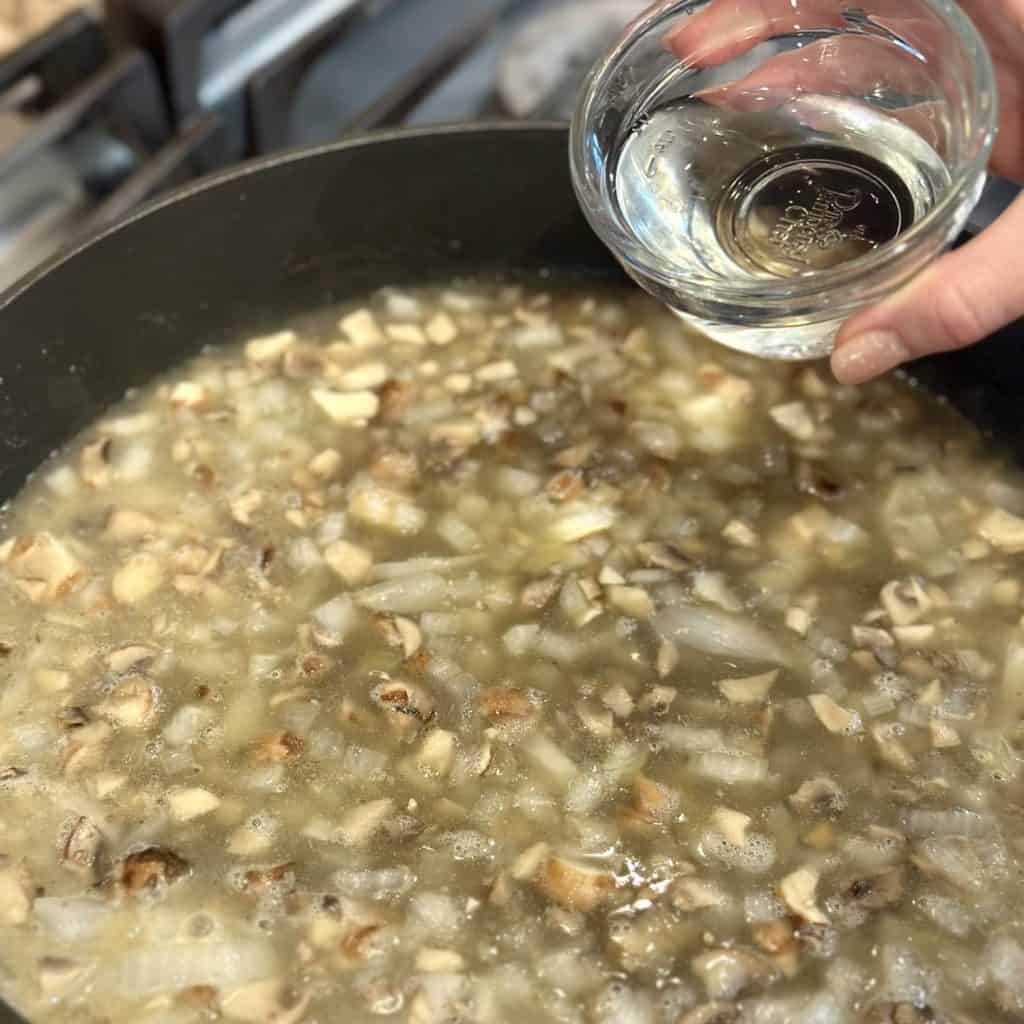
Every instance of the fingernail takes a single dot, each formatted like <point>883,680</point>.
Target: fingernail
<point>867,356</point>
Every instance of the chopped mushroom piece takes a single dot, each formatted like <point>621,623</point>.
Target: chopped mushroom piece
<point>795,419</point>
<point>249,841</point>
<point>361,328</point>
<point>732,824</point>
<point>192,802</point>
<point>269,349</point>
<point>905,601</point>
<point>325,465</point>
<point>400,632</point>
<point>405,702</point>
<point>944,736</point>
<point>608,577</point>
<point>618,700</point>
<point>198,997</point>
<point>506,702</point>
<point>365,377</point>
<point>633,601</point>
<point>280,746</point>
<point>351,562</point>
<point>387,510</point>
<point>658,699</point>
<point>538,594</point>
<point>819,796</point>
<point>347,408</point>
<point>277,878</point>
<point>890,748</point>
<point>581,522</point>
<point>775,936</point>
<point>360,825</point>
<point>502,370</point>
<point>137,579</point>
<point>16,892</point>
<point>573,883</point>
<point>741,534</point>
<point>664,556</point>
<point>833,717</point>
<point>409,334</point>
<point>798,891</point>
<point>86,749</point>
<point>441,329</point>
<point>750,689</point>
<point>798,620</point>
<point>188,394</point>
<point>1003,531</point>
<point>437,752</point>
<point>43,566</point>
<point>151,870</point>
<point>57,974</point>
<point>265,1002</point>
<point>128,524</point>
<point>94,463</point>
<point>82,849</point>
<point>131,705</point>
<point>915,637</point>
<point>654,802</point>
<point>528,863</point>
<point>479,760</point>
<point>870,636</point>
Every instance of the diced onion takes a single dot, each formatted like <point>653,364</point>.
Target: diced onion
<point>719,633</point>
<point>336,618</point>
<point>687,738</point>
<point>72,919</point>
<point>521,639</point>
<point>168,968</point>
<point>731,768</point>
<point>407,595</point>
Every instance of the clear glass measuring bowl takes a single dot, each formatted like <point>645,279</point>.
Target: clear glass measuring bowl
<point>768,167</point>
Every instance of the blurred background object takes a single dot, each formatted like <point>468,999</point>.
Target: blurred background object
<point>104,105</point>
<point>22,19</point>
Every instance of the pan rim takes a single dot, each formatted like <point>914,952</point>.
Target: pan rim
<point>256,165</point>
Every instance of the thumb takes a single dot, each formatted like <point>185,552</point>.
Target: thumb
<point>961,298</point>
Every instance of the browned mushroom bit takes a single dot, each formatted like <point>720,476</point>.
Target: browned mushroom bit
<point>489,652</point>
<point>150,871</point>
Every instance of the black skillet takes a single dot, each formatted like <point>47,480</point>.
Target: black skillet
<point>244,251</point>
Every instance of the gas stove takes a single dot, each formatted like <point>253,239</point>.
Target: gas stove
<point>115,103</point>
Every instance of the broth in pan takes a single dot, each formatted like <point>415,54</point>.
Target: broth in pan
<point>502,653</point>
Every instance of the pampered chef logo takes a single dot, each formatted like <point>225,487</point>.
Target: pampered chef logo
<point>801,229</point>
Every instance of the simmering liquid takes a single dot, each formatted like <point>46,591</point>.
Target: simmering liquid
<point>500,653</point>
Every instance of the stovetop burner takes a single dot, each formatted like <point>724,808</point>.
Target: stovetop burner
<point>84,136</point>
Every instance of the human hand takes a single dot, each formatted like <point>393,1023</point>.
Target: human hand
<point>973,291</point>
<point>964,295</point>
